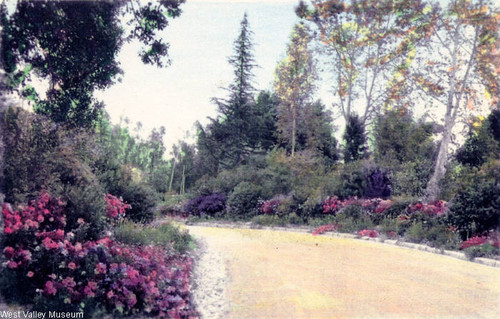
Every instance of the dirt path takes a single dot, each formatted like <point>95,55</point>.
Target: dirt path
<point>275,274</point>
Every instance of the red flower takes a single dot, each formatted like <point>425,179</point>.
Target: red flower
<point>12,264</point>
<point>30,274</point>
<point>8,252</point>
<point>72,266</point>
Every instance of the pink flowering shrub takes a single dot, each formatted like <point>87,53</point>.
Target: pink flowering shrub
<point>492,238</point>
<point>332,205</point>
<point>46,263</point>
<point>115,207</point>
<point>368,233</point>
<point>373,205</point>
<point>325,228</point>
<point>435,208</point>
<point>269,207</point>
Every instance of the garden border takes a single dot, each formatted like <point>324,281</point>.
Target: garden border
<point>391,242</point>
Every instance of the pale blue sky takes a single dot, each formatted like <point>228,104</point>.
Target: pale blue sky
<point>201,40</point>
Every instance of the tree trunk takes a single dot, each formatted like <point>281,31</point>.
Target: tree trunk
<point>433,186</point>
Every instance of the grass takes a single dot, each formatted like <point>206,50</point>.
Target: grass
<point>166,235</point>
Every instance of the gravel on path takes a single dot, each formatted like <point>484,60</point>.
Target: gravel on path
<point>210,278</point>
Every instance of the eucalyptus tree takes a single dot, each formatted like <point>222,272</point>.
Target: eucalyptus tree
<point>456,71</point>
<point>368,46</point>
<point>295,84</point>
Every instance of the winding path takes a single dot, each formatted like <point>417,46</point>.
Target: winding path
<point>277,274</point>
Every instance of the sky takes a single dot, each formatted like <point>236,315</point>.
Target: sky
<point>201,40</point>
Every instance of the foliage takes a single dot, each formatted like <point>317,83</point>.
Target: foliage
<point>166,235</point>
<point>294,86</point>
<point>74,47</point>
<point>231,137</point>
<point>242,202</point>
<point>46,263</point>
<point>377,184</point>
<point>476,209</point>
<point>370,46</point>
<point>479,146</point>
<point>209,205</point>
<point>354,140</point>
<point>398,139</point>
<point>411,178</point>
<point>351,181</point>
<point>142,199</point>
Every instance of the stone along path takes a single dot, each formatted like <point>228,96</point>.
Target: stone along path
<point>246,273</point>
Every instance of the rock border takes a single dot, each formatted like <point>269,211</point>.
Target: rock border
<point>399,243</point>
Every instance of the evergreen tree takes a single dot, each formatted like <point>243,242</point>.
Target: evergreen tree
<point>264,134</point>
<point>319,132</point>
<point>228,138</point>
<point>354,139</point>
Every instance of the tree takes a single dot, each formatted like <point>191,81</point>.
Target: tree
<point>319,131</point>
<point>398,138</point>
<point>354,139</point>
<point>73,45</point>
<point>370,46</point>
<point>480,145</point>
<point>264,134</point>
<point>294,85</point>
<point>451,73</point>
<point>228,138</point>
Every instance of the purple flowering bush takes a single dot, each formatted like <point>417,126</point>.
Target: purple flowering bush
<point>206,205</point>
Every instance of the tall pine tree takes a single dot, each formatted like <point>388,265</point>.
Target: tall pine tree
<point>228,139</point>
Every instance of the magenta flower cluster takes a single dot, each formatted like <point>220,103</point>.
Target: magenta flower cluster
<point>115,207</point>
<point>325,228</point>
<point>372,233</point>
<point>492,238</point>
<point>269,207</point>
<point>124,279</point>
<point>374,205</point>
<point>434,208</point>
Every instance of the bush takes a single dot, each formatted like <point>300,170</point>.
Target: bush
<point>410,178</point>
<point>242,202</point>
<point>48,265</point>
<point>123,181</point>
<point>476,209</point>
<point>209,205</point>
<point>166,235</point>
<point>378,184</point>
<point>352,181</point>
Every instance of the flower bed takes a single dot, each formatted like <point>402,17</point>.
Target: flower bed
<point>48,264</point>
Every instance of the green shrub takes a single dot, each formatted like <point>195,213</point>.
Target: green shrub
<point>268,220</point>
<point>125,181</point>
<point>166,235</point>
<point>242,202</point>
<point>410,178</point>
<point>353,218</point>
<point>476,209</point>
<point>143,199</point>
<point>351,181</point>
